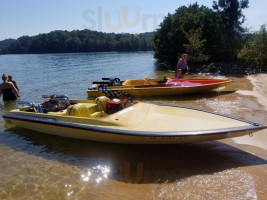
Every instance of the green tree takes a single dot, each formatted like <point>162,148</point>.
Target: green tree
<point>78,41</point>
<point>179,31</point>
<point>254,54</point>
<point>195,46</point>
<point>162,41</point>
<point>230,20</point>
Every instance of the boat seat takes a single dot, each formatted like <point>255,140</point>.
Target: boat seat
<point>127,83</point>
<point>149,81</point>
<point>145,81</point>
<point>101,103</point>
<point>133,82</point>
<point>92,108</point>
<point>81,110</point>
<point>96,115</point>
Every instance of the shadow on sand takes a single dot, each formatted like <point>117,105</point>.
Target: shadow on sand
<point>134,163</point>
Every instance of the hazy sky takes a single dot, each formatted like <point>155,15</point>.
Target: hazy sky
<point>31,17</point>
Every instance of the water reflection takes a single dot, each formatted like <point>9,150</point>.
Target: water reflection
<point>6,106</point>
<point>97,174</point>
<point>225,185</point>
<point>141,164</point>
<point>78,168</point>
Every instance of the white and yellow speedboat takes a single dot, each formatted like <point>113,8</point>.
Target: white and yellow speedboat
<point>141,123</point>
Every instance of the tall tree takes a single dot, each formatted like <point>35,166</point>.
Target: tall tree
<point>195,46</point>
<point>254,53</point>
<point>230,18</point>
<point>163,41</point>
<point>179,31</point>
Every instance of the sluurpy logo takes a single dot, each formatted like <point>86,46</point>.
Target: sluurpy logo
<point>120,20</point>
<point>128,174</point>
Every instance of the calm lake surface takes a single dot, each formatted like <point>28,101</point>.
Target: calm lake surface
<point>40,166</point>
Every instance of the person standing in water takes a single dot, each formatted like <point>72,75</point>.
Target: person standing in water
<point>8,90</point>
<point>10,79</point>
<point>182,67</point>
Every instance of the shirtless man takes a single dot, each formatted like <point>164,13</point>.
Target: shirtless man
<point>8,89</point>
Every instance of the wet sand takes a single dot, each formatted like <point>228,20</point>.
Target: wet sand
<point>39,166</point>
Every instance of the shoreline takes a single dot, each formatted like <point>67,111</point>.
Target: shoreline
<point>216,68</point>
<point>259,92</point>
<point>259,89</point>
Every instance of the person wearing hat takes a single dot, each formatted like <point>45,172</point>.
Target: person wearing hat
<point>10,79</point>
<point>8,90</point>
<point>182,67</point>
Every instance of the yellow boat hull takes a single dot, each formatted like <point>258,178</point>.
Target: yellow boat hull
<point>140,124</point>
<point>122,139</point>
<point>160,91</point>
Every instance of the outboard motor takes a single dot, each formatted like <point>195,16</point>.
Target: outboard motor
<point>55,103</point>
<point>165,79</point>
<point>116,82</point>
<point>112,81</point>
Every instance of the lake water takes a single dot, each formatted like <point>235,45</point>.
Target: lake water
<point>40,166</point>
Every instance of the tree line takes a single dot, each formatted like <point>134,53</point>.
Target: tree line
<point>210,35</point>
<point>77,41</point>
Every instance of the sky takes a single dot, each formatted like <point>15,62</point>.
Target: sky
<point>32,17</point>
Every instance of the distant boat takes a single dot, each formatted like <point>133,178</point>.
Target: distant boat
<point>155,87</point>
<point>141,123</point>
